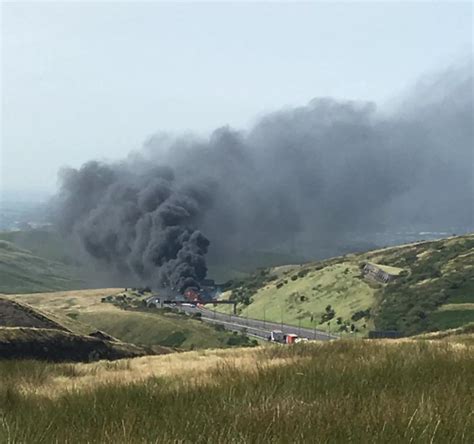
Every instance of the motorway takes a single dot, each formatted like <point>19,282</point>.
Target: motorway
<point>255,327</point>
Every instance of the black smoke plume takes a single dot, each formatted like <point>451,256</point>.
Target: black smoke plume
<point>138,220</point>
<point>315,175</point>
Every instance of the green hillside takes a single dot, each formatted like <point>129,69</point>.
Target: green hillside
<point>169,329</point>
<point>433,289</point>
<point>46,244</point>
<point>23,272</point>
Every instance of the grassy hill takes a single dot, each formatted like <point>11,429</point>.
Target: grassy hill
<point>82,311</point>
<point>433,290</point>
<point>21,271</point>
<point>41,243</point>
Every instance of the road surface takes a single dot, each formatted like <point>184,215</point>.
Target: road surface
<point>255,327</point>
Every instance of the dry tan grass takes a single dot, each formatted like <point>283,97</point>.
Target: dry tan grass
<point>56,305</point>
<point>424,254</point>
<point>469,253</point>
<point>460,306</point>
<point>195,368</point>
<point>83,299</point>
<point>460,336</point>
<point>343,391</point>
<point>192,368</point>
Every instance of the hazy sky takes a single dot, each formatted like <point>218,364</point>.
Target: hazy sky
<point>94,80</point>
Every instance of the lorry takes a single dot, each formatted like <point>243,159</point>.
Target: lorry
<point>291,338</point>
<point>280,337</point>
<point>277,336</point>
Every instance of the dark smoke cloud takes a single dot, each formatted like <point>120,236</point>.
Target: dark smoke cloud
<point>317,174</point>
<point>140,221</point>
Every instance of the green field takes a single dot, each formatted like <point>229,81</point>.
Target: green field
<point>343,391</point>
<point>428,275</point>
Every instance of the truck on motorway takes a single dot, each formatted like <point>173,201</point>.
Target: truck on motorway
<point>282,338</point>
<point>277,336</point>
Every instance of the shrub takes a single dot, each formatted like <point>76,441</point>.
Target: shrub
<point>241,340</point>
<point>330,313</point>
<point>303,273</point>
<point>360,314</point>
<point>175,339</point>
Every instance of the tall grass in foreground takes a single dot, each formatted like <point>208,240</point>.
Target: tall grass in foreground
<point>336,392</point>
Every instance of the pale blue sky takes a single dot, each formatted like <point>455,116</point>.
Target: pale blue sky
<point>94,80</point>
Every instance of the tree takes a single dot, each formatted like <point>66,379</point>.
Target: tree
<point>330,313</point>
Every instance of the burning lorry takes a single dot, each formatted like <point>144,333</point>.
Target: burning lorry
<point>206,292</point>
